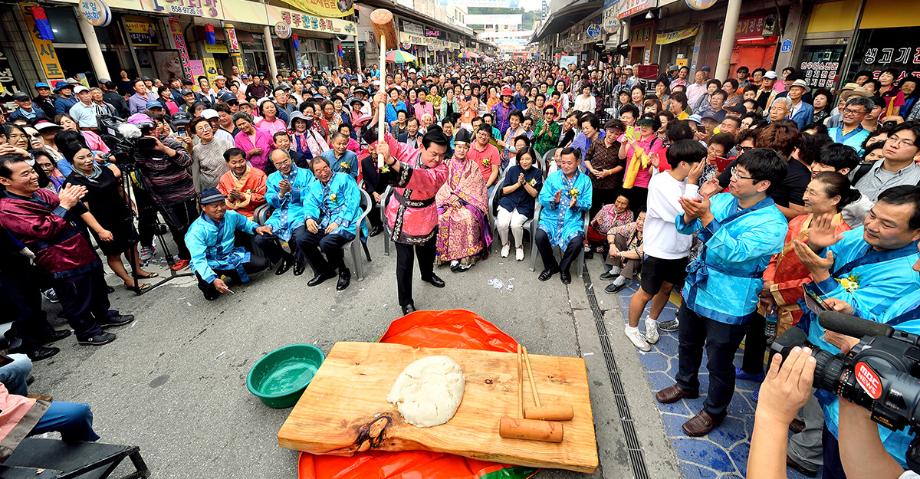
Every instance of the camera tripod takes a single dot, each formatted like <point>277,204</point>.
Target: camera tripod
<point>160,228</point>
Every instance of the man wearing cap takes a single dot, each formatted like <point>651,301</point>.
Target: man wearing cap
<point>137,103</point>
<point>155,109</point>
<point>65,98</point>
<point>766,94</point>
<point>211,239</point>
<point>502,111</point>
<point>26,110</point>
<point>801,112</point>
<point>83,112</point>
<point>44,100</point>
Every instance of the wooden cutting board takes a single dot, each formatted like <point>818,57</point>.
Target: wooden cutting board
<point>344,409</point>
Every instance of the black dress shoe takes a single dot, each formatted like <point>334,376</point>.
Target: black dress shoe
<point>589,254</point>
<point>408,308</point>
<point>608,275</point>
<point>344,279</point>
<point>299,267</point>
<point>42,352</point>
<point>434,280</point>
<point>319,278</point>
<point>98,340</point>
<point>547,274</point>
<point>614,288</point>
<point>565,277</point>
<point>376,230</point>
<point>57,335</point>
<point>117,320</point>
<point>285,264</point>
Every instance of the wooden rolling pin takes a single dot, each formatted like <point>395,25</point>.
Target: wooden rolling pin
<point>557,412</point>
<point>528,429</point>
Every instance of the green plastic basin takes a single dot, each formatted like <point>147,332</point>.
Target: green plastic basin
<point>280,377</point>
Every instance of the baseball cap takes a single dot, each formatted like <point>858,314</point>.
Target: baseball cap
<point>80,89</point>
<point>20,97</point>
<point>770,74</point>
<point>210,196</point>
<point>506,91</point>
<point>705,68</point>
<point>695,119</point>
<point>61,85</point>
<point>209,113</point>
<point>154,104</point>
<point>42,84</point>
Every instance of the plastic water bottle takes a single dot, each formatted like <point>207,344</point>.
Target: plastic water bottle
<point>770,328</point>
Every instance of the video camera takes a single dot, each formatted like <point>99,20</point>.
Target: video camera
<point>125,139</point>
<point>881,373</point>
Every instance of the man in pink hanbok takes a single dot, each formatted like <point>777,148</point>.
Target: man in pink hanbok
<point>464,235</point>
<point>416,175</point>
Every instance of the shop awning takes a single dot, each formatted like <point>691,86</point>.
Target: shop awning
<point>565,17</point>
<point>676,35</point>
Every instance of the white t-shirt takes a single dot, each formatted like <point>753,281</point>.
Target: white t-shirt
<point>660,237</point>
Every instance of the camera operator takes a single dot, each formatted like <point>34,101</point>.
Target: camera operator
<point>163,163</point>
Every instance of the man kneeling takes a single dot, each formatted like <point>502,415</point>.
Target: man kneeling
<point>332,207</point>
<point>210,240</point>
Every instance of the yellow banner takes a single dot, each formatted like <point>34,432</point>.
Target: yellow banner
<point>324,8</point>
<point>216,48</point>
<point>45,49</point>
<point>210,68</point>
<point>305,21</point>
<point>676,35</point>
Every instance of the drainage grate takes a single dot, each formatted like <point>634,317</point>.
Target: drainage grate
<point>636,457</point>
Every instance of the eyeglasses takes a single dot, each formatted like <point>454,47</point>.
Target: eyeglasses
<point>850,111</point>
<point>900,141</point>
<point>737,176</point>
<point>744,148</point>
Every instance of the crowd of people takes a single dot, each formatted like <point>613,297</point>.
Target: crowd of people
<point>742,194</point>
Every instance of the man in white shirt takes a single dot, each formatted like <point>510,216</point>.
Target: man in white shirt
<point>83,112</point>
<point>698,87</point>
<point>666,251</point>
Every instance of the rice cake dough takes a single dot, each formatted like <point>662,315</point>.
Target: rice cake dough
<point>428,392</point>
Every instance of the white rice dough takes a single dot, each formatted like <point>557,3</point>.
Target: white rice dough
<point>428,392</point>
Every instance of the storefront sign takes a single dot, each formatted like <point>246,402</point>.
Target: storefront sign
<point>96,12</point>
<point>8,84</point>
<point>413,28</point>
<point>751,28</point>
<point>175,29</point>
<point>883,48</point>
<point>632,7</point>
<point>233,45</point>
<point>219,48</point>
<point>282,30</point>
<point>302,21</point>
<point>324,8</point>
<point>142,32</point>
<point>210,68</point>
<point>593,30</point>
<point>700,4</point>
<point>195,8</point>
<point>785,46</point>
<point>610,22</point>
<point>45,49</point>
<point>676,35</point>
<point>433,33</point>
<point>407,40</point>
<point>197,68</point>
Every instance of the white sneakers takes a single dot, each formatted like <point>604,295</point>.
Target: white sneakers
<point>519,253</point>
<point>651,330</point>
<point>637,339</point>
<point>505,250</point>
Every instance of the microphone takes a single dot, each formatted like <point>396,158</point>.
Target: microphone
<point>852,325</point>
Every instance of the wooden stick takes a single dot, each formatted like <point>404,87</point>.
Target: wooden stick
<point>528,429</point>
<point>384,29</point>
<point>533,384</point>
<point>520,381</point>
<point>551,412</point>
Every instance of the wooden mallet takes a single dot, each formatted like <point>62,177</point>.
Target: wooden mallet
<point>528,429</point>
<point>556,412</point>
<point>385,32</point>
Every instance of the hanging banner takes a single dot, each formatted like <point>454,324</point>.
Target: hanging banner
<point>45,49</point>
<point>175,29</point>
<point>302,21</point>
<point>610,22</point>
<point>210,69</point>
<point>676,35</point>
<point>194,8</point>
<point>233,45</point>
<point>324,8</point>
<point>197,68</point>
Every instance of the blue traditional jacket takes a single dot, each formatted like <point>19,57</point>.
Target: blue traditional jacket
<point>723,282</point>
<point>212,248</point>
<point>288,209</point>
<point>338,201</point>
<point>347,164</point>
<point>560,222</point>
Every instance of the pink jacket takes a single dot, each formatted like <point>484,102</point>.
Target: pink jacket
<point>263,140</point>
<point>18,416</point>
<point>413,225</point>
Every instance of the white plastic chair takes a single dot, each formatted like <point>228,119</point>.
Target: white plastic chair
<point>579,259</point>
<point>355,245</point>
